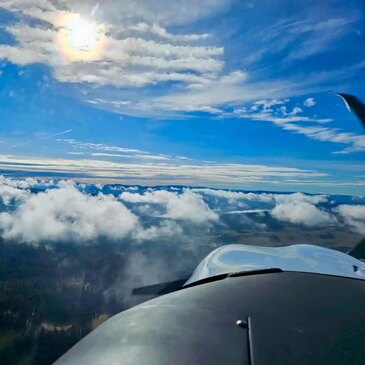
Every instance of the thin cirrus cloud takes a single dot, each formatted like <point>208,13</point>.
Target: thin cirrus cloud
<point>188,173</point>
<point>141,52</point>
<point>146,54</point>
<point>294,121</point>
<point>104,150</point>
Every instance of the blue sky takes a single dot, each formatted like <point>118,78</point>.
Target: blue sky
<point>234,94</point>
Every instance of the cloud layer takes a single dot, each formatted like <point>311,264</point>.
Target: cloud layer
<point>37,211</point>
<point>135,54</point>
<point>67,214</point>
<point>157,169</point>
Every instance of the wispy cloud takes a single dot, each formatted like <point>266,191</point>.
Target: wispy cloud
<point>298,38</point>
<point>293,121</point>
<point>144,50</point>
<point>163,33</point>
<point>116,151</point>
<point>192,173</point>
<point>131,57</point>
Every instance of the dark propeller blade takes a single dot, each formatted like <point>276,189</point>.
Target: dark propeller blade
<point>354,105</point>
<point>161,288</point>
<point>358,251</point>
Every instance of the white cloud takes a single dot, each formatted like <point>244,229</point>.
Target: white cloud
<point>309,102</point>
<point>146,157</point>
<point>167,229</point>
<point>124,59</point>
<point>17,191</point>
<point>62,211</point>
<point>304,37</point>
<point>318,37</point>
<point>163,33</point>
<point>254,200</point>
<point>115,12</point>
<point>300,198</point>
<point>116,152</point>
<point>145,46</point>
<point>296,110</point>
<point>295,208</point>
<point>302,213</point>
<point>310,127</point>
<point>267,104</point>
<point>180,12</point>
<point>187,206</point>
<point>9,194</point>
<point>21,184</point>
<point>182,173</point>
<point>354,216</point>
<point>147,43</point>
<point>234,196</point>
<point>67,214</point>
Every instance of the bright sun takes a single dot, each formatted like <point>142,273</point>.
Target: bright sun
<point>80,39</point>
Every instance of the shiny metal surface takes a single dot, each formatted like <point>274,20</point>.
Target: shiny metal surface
<point>300,258</point>
<point>283,318</point>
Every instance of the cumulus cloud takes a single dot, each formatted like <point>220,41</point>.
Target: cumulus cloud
<point>9,194</point>
<point>24,183</point>
<point>12,190</point>
<point>296,208</point>
<point>67,214</point>
<point>167,229</point>
<point>354,216</point>
<point>16,191</point>
<point>300,197</point>
<point>63,211</point>
<point>309,102</point>
<point>233,196</point>
<point>302,213</point>
<point>51,211</point>
<point>187,206</point>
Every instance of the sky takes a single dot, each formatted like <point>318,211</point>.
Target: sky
<point>229,94</point>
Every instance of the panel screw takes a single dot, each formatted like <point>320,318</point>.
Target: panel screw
<point>242,323</point>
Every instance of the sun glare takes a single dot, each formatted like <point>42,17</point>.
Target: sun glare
<point>80,39</point>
